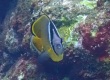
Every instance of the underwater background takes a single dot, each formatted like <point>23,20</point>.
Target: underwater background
<point>84,26</point>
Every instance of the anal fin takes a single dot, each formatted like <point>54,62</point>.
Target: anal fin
<point>37,43</point>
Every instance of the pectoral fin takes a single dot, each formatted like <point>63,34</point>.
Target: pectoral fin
<point>43,58</point>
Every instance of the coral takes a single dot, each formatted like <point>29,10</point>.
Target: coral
<point>84,28</point>
<point>66,32</point>
<point>100,3</point>
<point>11,41</point>
<point>88,4</point>
<point>99,44</point>
<point>24,68</point>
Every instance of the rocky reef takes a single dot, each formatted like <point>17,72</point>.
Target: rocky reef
<point>84,26</point>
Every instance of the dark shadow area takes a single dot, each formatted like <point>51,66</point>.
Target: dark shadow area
<point>5,6</point>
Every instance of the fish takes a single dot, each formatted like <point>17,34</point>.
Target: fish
<point>46,39</point>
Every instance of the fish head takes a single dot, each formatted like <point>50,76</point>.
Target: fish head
<point>58,47</point>
<point>57,44</point>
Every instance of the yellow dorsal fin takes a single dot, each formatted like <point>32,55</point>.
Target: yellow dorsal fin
<point>39,24</point>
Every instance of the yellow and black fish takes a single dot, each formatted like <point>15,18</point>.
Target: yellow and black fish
<point>46,38</point>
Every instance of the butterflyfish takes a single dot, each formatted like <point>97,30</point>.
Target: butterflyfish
<point>46,38</point>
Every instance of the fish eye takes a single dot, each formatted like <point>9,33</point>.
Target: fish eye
<point>58,46</point>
